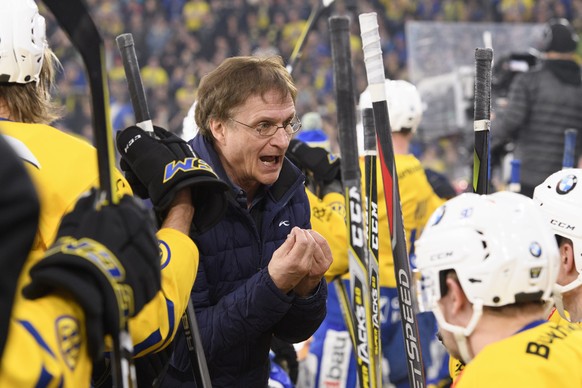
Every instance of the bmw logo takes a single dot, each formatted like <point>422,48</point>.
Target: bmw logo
<point>566,184</point>
<point>535,249</point>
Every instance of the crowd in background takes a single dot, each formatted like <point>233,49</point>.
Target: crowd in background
<point>178,41</point>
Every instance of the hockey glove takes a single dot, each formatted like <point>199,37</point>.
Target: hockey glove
<point>322,166</point>
<point>166,164</point>
<point>107,259</point>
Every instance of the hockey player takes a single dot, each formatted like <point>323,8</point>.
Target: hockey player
<point>331,345</point>
<point>559,198</point>
<point>488,265</point>
<point>19,208</point>
<point>79,283</point>
<point>103,269</point>
<point>63,167</point>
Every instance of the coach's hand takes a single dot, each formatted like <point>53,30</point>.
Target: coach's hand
<point>106,259</point>
<point>164,165</point>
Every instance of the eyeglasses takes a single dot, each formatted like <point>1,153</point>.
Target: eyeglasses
<point>266,129</point>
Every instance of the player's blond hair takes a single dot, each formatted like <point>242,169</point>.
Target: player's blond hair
<point>31,102</point>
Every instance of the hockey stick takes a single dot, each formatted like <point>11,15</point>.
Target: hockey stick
<point>372,228</point>
<point>126,47</point>
<point>515,176</point>
<point>316,12</point>
<point>569,147</point>
<point>351,178</point>
<point>74,18</point>
<point>371,188</point>
<point>482,120</point>
<point>406,296</point>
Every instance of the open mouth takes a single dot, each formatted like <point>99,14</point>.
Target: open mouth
<point>270,160</point>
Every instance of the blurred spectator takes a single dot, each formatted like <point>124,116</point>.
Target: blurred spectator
<point>188,38</point>
<point>312,131</point>
<point>542,104</point>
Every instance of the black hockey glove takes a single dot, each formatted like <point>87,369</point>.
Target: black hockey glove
<point>107,259</point>
<point>166,164</point>
<point>322,166</point>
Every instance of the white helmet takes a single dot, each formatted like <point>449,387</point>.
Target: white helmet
<point>404,104</point>
<point>404,108</point>
<point>22,41</point>
<point>560,198</point>
<point>500,247</point>
<point>189,126</point>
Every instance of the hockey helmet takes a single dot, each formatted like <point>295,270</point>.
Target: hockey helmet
<point>22,41</point>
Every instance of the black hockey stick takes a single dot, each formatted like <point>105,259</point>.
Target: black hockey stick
<point>126,47</point>
<point>74,18</point>
<point>314,16</point>
<point>406,296</point>
<point>351,178</point>
<point>371,188</point>
<point>569,148</point>
<point>137,94</point>
<point>482,120</point>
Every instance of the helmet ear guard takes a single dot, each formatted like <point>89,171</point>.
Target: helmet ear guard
<point>22,42</point>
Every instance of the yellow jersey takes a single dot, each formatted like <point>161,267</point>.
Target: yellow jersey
<point>544,355</point>
<point>46,342</point>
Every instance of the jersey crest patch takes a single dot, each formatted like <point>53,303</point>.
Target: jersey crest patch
<point>69,340</point>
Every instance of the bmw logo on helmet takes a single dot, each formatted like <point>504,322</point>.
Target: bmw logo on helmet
<point>535,249</point>
<point>566,184</point>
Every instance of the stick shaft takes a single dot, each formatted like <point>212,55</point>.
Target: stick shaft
<point>406,295</point>
<point>351,178</point>
<point>126,47</point>
<point>137,94</point>
<point>569,147</point>
<point>482,120</point>
<point>75,19</point>
<point>515,176</point>
<point>314,16</point>
<point>371,187</point>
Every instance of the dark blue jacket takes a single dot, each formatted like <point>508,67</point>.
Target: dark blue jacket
<point>238,307</point>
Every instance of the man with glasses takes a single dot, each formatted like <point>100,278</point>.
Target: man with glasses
<point>261,268</point>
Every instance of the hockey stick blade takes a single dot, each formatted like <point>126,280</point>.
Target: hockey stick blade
<point>75,20</point>
<point>314,16</point>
